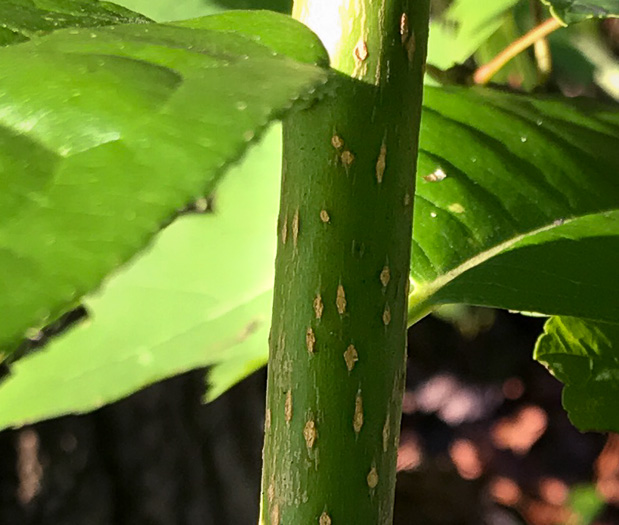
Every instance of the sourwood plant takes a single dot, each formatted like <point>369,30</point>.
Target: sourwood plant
<point>113,126</point>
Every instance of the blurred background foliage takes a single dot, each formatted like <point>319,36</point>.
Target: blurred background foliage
<point>583,55</point>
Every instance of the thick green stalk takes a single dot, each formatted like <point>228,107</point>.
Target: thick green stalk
<point>337,345</point>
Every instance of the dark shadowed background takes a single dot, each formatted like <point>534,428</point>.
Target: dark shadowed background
<point>484,441</point>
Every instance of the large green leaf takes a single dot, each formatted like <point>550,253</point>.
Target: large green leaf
<point>585,356</point>
<point>526,215</point>
<point>200,295</point>
<point>131,317</point>
<point>22,19</point>
<point>572,11</point>
<point>105,133</point>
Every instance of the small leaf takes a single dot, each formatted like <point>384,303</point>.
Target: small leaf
<point>124,127</point>
<point>527,217</point>
<point>586,503</point>
<point>584,355</point>
<point>573,11</point>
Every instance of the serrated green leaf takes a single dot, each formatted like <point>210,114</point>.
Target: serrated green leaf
<point>585,356</point>
<point>21,20</point>
<point>282,38</point>
<point>124,126</point>
<point>123,329</point>
<point>200,295</point>
<point>573,11</point>
<point>526,216</point>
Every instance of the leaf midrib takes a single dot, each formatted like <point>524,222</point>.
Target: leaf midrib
<point>420,299</point>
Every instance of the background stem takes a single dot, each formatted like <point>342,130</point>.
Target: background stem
<point>541,48</point>
<point>484,74</point>
<point>337,344</point>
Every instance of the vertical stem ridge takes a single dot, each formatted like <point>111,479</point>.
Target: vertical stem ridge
<point>337,344</point>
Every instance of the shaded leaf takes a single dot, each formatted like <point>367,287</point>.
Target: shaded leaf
<point>572,11</point>
<point>169,10</point>
<point>124,126</point>
<point>585,356</point>
<point>283,6</point>
<point>20,20</point>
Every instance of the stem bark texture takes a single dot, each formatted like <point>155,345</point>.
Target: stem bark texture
<point>338,338</point>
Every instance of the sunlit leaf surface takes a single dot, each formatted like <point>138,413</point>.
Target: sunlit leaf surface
<point>200,295</point>
<point>106,133</point>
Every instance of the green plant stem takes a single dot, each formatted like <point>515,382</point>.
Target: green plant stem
<point>337,343</point>
<point>484,74</point>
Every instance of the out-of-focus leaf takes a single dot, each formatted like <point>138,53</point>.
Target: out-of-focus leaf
<point>586,503</point>
<point>601,60</point>
<point>520,72</point>
<point>584,355</point>
<point>283,6</point>
<point>169,10</point>
<point>124,126</point>
<point>573,11</point>
<point>570,67</point>
<point>524,213</point>
<point>166,10</point>
<point>459,32</point>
